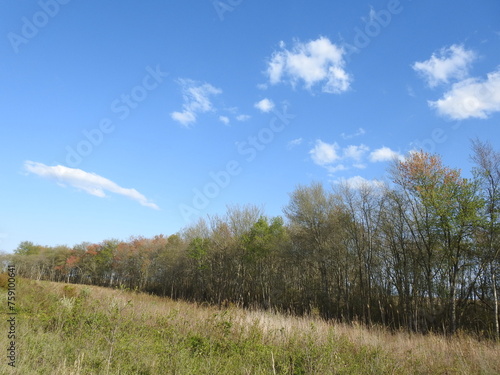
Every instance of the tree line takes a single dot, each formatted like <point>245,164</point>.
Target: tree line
<point>420,253</point>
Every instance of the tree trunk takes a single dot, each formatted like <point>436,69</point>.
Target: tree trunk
<point>495,299</point>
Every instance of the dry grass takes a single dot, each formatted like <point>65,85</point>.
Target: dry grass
<point>413,353</point>
<point>90,330</point>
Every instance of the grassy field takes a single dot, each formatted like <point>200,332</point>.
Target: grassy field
<point>76,329</point>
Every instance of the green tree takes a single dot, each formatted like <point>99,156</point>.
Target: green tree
<point>313,214</point>
<point>261,245</point>
<point>452,214</point>
<point>27,248</point>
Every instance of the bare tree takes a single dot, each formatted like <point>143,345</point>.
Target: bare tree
<point>487,171</point>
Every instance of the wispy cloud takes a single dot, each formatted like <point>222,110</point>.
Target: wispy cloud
<point>91,183</point>
<point>265,105</point>
<point>293,143</point>
<point>224,120</point>
<point>358,133</point>
<point>358,182</point>
<point>355,152</point>
<point>185,117</point>
<point>315,62</point>
<point>243,117</point>
<point>335,168</point>
<point>384,154</point>
<point>411,91</point>
<point>449,63</point>
<point>196,100</point>
<point>373,14</point>
<point>471,98</point>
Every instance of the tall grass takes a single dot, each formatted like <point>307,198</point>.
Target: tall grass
<point>74,329</point>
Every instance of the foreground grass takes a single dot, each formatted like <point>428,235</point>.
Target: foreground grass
<point>74,329</point>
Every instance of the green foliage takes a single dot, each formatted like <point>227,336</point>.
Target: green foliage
<point>28,248</point>
<point>263,238</point>
<point>197,251</point>
<point>198,248</point>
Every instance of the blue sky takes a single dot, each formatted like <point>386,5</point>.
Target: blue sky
<point>127,118</point>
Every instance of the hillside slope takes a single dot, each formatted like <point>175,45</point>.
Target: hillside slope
<point>77,329</point>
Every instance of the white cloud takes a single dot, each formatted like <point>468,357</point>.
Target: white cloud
<point>450,63</point>
<point>196,100</point>
<point>358,182</point>
<point>276,67</point>
<point>91,183</point>
<point>336,168</point>
<point>265,105</point>
<point>355,152</point>
<point>384,154</point>
<point>359,166</point>
<point>224,120</point>
<point>314,62</point>
<point>293,143</point>
<point>358,132</point>
<point>185,118</point>
<point>243,117</point>
<point>334,159</point>
<point>471,98</point>
<point>373,14</point>
<point>324,153</point>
